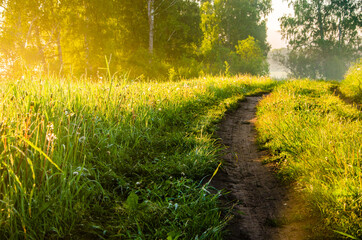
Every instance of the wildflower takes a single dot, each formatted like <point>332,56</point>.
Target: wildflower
<point>51,137</point>
<point>50,126</point>
<point>68,113</point>
<point>83,172</point>
<point>82,139</point>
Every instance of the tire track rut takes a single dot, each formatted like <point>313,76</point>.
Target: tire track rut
<point>259,199</point>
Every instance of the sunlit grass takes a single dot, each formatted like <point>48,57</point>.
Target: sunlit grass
<point>351,86</point>
<point>112,158</point>
<point>317,139</point>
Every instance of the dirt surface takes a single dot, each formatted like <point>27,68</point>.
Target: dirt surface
<point>263,208</point>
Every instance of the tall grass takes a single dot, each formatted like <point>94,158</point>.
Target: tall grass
<point>112,158</point>
<point>316,139</point>
<point>351,86</point>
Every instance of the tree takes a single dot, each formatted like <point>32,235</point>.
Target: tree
<point>151,22</point>
<point>210,26</point>
<point>226,22</point>
<point>252,58</point>
<point>243,18</point>
<point>177,27</point>
<point>323,36</point>
<point>75,35</point>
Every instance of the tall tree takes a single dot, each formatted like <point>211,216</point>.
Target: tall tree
<point>325,33</point>
<point>75,35</point>
<point>241,18</point>
<point>210,26</point>
<point>178,29</point>
<point>226,22</point>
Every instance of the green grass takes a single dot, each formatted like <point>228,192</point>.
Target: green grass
<point>112,159</point>
<point>316,139</point>
<point>351,86</point>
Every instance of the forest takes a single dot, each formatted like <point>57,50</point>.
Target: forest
<point>154,38</point>
<point>157,119</point>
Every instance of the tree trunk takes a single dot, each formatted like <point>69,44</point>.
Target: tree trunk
<point>320,21</point>
<point>21,40</point>
<point>340,30</point>
<point>40,48</point>
<point>86,39</point>
<point>86,46</point>
<point>151,22</point>
<point>60,53</point>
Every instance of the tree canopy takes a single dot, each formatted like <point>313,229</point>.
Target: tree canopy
<point>324,36</point>
<point>142,37</point>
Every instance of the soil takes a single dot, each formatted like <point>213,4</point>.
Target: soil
<point>262,206</point>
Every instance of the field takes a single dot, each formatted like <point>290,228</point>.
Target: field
<point>315,139</point>
<point>157,119</point>
<point>113,158</point>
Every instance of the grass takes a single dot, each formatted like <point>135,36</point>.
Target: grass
<point>351,86</point>
<point>316,140</point>
<point>113,158</point>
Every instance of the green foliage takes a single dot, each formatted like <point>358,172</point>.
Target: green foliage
<point>252,58</point>
<point>308,63</point>
<point>73,37</point>
<point>351,86</point>
<point>250,14</point>
<point>323,36</point>
<point>210,26</point>
<point>316,140</point>
<point>222,31</point>
<point>112,158</point>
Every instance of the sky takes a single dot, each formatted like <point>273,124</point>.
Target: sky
<point>280,7</point>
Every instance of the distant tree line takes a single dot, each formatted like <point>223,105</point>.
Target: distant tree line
<point>149,38</point>
<point>324,37</point>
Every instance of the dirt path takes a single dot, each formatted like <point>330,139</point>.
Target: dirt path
<point>263,207</point>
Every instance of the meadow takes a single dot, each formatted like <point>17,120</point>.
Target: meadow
<point>315,139</point>
<point>351,86</point>
<point>113,158</point>
<point>118,158</point>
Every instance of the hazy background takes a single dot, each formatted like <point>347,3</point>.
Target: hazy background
<point>280,7</point>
